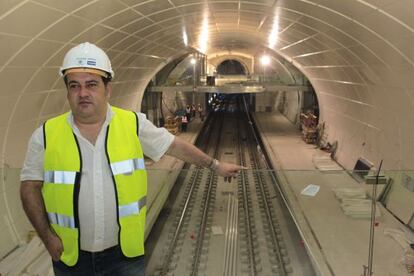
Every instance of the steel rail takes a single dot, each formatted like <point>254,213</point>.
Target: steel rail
<point>205,204</point>
<point>259,177</point>
<point>247,215</point>
<point>185,211</point>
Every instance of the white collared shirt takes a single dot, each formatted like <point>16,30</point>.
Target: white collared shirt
<point>97,204</point>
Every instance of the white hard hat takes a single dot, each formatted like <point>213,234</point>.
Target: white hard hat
<point>87,57</point>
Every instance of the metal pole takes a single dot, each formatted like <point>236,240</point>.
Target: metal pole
<point>368,268</point>
<point>194,82</point>
<point>264,73</point>
<point>194,76</point>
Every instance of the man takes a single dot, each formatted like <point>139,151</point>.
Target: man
<point>84,180</point>
<point>200,112</point>
<point>188,112</point>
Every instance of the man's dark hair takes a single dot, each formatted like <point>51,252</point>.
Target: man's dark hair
<point>105,80</point>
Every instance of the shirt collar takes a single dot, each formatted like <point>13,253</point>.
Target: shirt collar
<point>109,115</point>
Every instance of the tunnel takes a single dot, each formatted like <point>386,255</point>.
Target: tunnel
<point>348,62</point>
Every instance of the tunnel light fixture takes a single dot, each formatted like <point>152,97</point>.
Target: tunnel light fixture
<point>203,39</point>
<point>274,33</point>
<point>265,60</point>
<point>193,61</point>
<point>185,37</point>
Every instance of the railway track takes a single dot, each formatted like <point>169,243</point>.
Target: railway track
<point>218,228</point>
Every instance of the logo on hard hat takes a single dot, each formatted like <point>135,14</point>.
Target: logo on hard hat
<point>87,61</point>
<point>91,62</point>
<point>80,61</point>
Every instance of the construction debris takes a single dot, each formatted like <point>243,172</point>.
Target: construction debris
<point>409,260</point>
<point>405,238</point>
<point>349,193</point>
<point>172,124</point>
<point>310,190</point>
<point>354,202</point>
<point>325,163</point>
<point>309,127</point>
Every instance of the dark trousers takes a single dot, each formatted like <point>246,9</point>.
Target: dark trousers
<point>107,262</point>
<point>184,127</point>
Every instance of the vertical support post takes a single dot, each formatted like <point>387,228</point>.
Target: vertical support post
<point>194,83</point>
<point>264,73</point>
<point>368,269</point>
<point>193,62</point>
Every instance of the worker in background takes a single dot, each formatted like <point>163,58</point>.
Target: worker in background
<point>193,111</point>
<point>200,112</point>
<point>188,112</point>
<point>184,122</point>
<point>84,183</point>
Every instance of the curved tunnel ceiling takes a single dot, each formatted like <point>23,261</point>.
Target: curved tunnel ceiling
<point>357,54</point>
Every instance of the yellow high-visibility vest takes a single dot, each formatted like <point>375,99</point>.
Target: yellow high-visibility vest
<point>62,174</point>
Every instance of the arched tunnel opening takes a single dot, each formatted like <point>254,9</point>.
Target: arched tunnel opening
<point>231,67</point>
<point>180,80</point>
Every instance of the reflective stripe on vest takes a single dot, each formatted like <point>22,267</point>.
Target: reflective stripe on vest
<point>132,208</point>
<point>128,166</point>
<point>61,220</point>
<point>59,177</point>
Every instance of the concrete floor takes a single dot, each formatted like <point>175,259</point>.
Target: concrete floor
<point>338,243</point>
